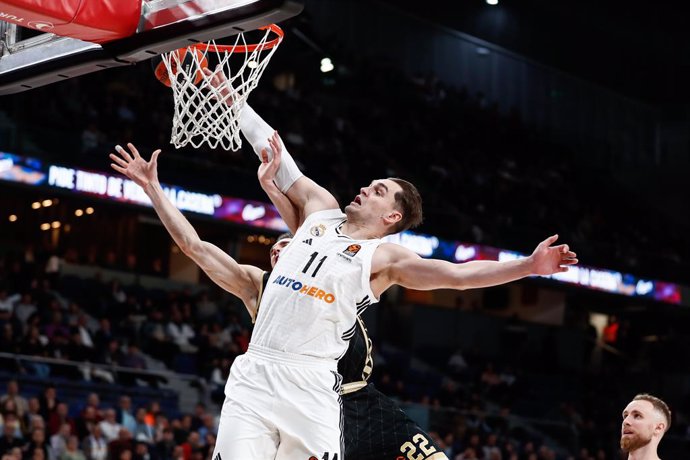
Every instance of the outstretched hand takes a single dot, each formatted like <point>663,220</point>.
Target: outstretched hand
<point>547,259</point>
<point>132,165</point>
<point>269,167</point>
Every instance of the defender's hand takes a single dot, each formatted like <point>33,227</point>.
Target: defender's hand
<point>132,165</point>
<point>269,167</point>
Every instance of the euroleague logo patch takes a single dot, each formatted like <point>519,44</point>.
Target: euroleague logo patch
<point>352,250</point>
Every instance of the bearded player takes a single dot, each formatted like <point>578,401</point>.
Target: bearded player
<point>645,421</point>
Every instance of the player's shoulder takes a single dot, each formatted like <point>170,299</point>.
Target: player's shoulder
<point>387,254</point>
<point>386,249</point>
<point>324,217</point>
<point>329,213</point>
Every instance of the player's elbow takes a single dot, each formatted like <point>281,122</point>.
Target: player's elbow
<point>192,248</point>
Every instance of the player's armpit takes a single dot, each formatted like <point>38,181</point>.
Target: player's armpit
<point>388,267</point>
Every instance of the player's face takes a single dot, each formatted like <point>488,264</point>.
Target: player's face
<point>375,201</point>
<point>640,421</point>
<point>276,250</point>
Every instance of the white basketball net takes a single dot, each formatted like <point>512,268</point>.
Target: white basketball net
<point>205,114</point>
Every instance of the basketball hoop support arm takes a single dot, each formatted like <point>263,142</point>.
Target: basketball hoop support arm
<point>165,25</point>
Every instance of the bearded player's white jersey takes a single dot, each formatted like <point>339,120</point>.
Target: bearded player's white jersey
<point>316,290</point>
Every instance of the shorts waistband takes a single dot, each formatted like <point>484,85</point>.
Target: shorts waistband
<point>292,359</point>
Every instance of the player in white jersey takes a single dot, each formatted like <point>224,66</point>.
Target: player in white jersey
<point>282,396</point>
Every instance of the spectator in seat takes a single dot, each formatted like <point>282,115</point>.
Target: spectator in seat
<point>124,414</point>
<point>58,441</point>
<point>86,422</point>
<point>142,431</point>
<point>72,451</point>
<point>166,445</point>
<point>95,446</point>
<point>20,403</point>
<point>181,333</point>
<point>121,445</point>
<point>109,426</point>
<point>38,442</point>
<point>48,402</point>
<point>10,439</point>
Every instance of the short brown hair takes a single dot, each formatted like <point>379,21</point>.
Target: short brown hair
<point>658,405</point>
<point>285,236</point>
<point>409,203</point>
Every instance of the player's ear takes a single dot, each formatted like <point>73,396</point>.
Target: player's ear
<point>392,217</point>
<point>660,428</point>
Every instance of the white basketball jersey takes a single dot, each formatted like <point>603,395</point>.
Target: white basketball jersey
<point>316,290</point>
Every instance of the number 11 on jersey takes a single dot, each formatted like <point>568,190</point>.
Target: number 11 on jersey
<point>312,258</point>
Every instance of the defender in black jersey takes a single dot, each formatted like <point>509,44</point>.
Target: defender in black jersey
<point>375,426</point>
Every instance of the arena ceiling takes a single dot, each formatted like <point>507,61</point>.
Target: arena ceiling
<point>639,49</point>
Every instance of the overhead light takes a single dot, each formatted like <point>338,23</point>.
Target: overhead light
<point>13,218</point>
<point>251,238</point>
<point>89,210</point>
<point>45,226</point>
<point>35,205</point>
<point>326,65</point>
<point>492,2</point>
<point>55,224</point>
<point>78,213</point>
<point>483,51</point>
<point>47,203</point>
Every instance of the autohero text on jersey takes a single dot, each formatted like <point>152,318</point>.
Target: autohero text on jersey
<point>304,289</point>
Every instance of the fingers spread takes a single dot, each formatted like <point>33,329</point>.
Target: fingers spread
<point>134,150</point>
<point>124,153</point>
<point>154,156</point>
<point>118,160</point>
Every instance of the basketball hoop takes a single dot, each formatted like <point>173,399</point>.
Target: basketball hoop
<point>210,114</point>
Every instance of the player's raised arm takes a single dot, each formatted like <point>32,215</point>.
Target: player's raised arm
<point>240,280</point>
<point>267,173</point>
<point>393,264</point>
<point>304,193</point>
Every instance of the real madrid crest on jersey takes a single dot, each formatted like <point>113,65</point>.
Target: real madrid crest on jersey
<point>318,230</point>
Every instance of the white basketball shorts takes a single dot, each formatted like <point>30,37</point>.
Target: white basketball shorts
<point>281,406</point>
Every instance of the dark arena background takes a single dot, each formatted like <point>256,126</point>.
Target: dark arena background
<point>516,120</point>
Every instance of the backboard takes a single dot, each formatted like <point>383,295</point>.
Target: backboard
<point>29,58</point>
